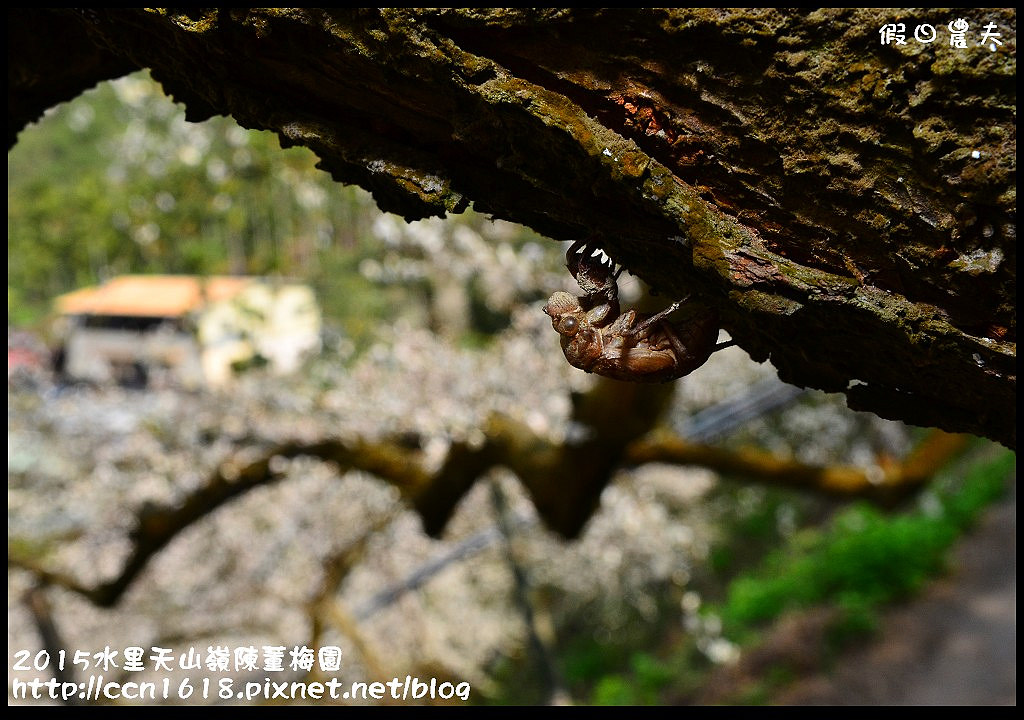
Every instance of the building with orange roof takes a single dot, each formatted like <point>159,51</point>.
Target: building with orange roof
<point>186,329</point>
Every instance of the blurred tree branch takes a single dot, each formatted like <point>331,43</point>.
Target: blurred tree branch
<point>615,426</point>
<point>325,608</point>
<point>888,482</point>
<point>539,632</point>
<point>849,207</point>
<point>50,636</point>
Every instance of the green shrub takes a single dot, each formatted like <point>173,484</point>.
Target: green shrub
<point>865,557</point>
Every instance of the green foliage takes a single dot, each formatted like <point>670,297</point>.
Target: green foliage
<point>865,557</point>
<point>642,685</point>
<point>761,691</point>
<point>857,619</point>
<point>614,690</point>
<point>623,669</point>
<point>72,219</point>
<point>859,560</point>
<point>753,520</point>
<point>116,181</point>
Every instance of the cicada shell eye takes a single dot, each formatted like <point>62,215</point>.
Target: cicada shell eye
<point>569,325</point>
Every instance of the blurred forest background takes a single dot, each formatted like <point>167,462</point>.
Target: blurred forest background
<point>430,328</point>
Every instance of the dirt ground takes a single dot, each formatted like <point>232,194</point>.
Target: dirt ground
<point>955,644</point>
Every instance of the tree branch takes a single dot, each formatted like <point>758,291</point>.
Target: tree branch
<point>564,481</point>
<point>892,481</point>
<point>847,206</point>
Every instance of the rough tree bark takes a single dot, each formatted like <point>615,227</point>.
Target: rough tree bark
<point>848,207</point>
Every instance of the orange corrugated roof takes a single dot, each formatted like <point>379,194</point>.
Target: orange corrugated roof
<point>150,295</point>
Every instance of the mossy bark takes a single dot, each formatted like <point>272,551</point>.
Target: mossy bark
<point>848,207</point>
